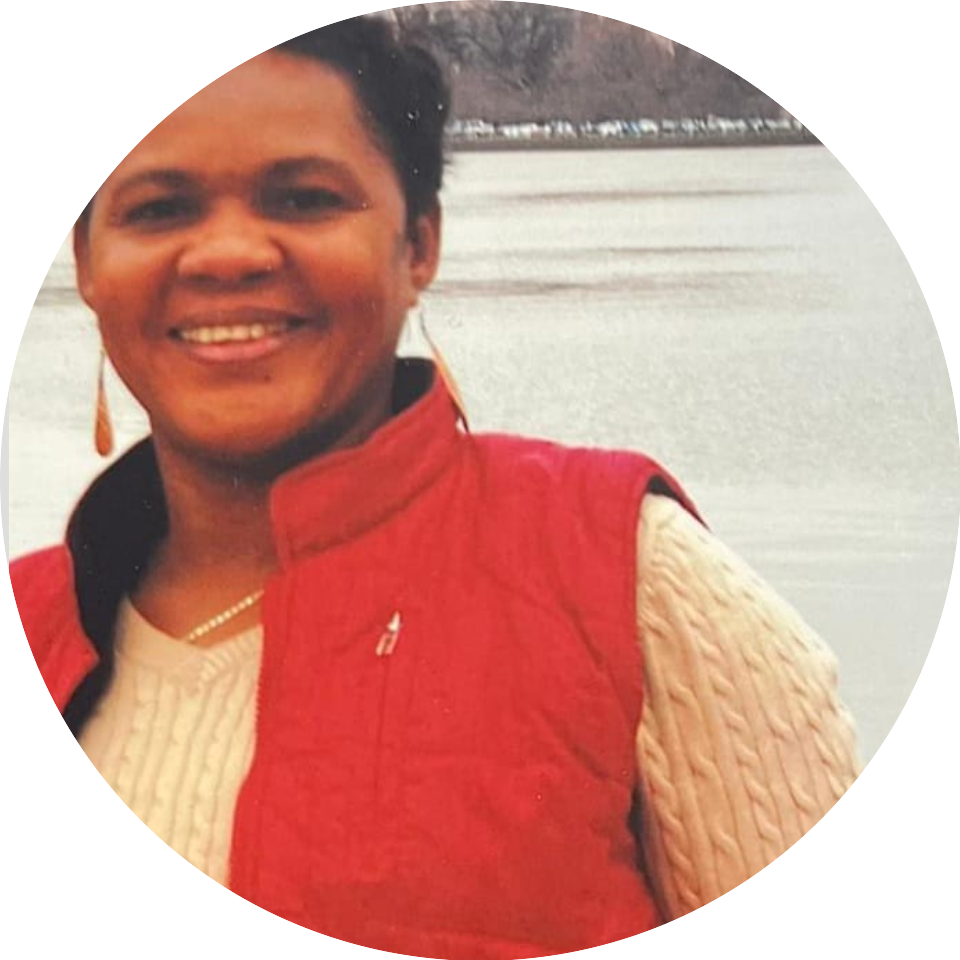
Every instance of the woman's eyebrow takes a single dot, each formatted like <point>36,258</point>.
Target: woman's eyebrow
<point>171,179</point>
<point>291,167</point>
<point>287,168</point>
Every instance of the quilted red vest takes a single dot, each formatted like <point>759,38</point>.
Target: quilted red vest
<point>450,689</point>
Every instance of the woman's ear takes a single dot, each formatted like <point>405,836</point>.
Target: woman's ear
<point>425,248</point>
<point>81,258</point>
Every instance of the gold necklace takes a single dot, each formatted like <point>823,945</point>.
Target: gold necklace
<point>221,618</point>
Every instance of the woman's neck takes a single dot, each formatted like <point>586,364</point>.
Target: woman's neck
<point>218,518</point>
<point>218,548</point>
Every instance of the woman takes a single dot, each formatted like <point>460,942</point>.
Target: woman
<point>379,676</point>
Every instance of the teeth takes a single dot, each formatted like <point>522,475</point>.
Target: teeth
<point>233,334</point>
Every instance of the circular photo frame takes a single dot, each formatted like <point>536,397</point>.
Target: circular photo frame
<point>640,252</point>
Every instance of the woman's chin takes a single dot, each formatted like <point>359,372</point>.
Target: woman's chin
<point>256,451</point>
<point>273,434</point>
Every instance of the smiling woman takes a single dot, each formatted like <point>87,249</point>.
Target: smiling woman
<point>443,694</point>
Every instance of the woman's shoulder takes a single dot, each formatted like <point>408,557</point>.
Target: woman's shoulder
<point>517,450</point>
<point>41,581</point>
<point>687,575</point>
<point>41,568</point>
<point>680,561</point>
<point>587,475</point>
<point>46,601</point>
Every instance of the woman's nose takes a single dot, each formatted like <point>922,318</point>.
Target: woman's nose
<point>230,248</point>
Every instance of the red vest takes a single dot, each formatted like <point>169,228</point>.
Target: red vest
<point>450,690</point>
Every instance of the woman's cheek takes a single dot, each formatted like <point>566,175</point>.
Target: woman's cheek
<point>120,290</point>
<point>356,290</point>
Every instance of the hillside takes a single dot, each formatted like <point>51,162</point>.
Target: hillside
<point>513,62</point>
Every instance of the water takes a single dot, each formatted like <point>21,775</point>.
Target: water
<point>742,315</point>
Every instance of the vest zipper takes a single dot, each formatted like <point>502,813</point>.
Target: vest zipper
<point>384,650</point>
<point>257,711</point>
<point>390,636</point>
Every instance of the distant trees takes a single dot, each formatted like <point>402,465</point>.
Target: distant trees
<point>522,42</point>
<point>703,85</point>
<point>519,43</point>
<point>526,61</point>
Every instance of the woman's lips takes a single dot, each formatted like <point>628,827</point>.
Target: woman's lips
<point>235,336</point>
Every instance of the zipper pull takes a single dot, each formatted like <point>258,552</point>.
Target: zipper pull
<point>390,636</point>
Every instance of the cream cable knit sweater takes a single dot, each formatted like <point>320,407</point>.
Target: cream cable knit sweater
<point>742,747</point>
<point>174,735</point>
<point>744,744</point>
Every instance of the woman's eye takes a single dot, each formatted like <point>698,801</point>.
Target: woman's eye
<point>303,202</point>
<point>160,212</point>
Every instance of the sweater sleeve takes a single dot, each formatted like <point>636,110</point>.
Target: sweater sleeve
<point>744,744</point>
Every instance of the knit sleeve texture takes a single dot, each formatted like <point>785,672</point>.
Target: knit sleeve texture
<point>744,743</point>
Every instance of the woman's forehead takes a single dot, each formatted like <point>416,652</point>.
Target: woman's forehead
<point>272,77</point>
<point>271,106</point>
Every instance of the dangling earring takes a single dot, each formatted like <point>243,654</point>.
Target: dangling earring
<point>103,428</point>
<point>444,371</point>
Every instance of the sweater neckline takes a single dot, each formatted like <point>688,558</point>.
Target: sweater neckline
<point>137,639</point>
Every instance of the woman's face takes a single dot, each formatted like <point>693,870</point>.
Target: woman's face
<point>251,268</point>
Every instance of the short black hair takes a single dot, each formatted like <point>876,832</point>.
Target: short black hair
<point>402,91</point>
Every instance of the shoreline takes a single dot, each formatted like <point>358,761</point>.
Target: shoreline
<point>662,142</point>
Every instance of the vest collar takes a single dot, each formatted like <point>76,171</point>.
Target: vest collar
<point>338,497</point>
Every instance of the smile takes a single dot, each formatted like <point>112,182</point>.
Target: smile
<point>237,333</point>
<point>236,336</point>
